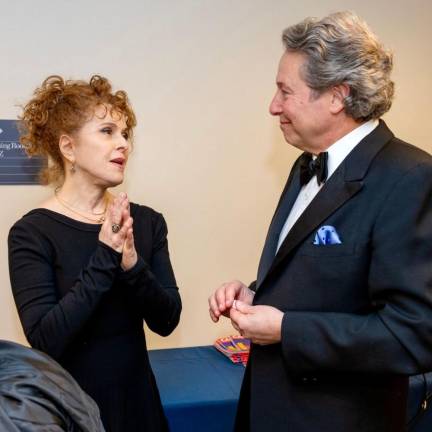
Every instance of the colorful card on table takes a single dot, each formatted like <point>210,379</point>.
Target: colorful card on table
<point>236,348</point>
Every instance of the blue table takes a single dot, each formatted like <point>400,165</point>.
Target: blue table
<point>199,388</point>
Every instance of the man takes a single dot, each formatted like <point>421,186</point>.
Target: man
<point>341,311</point>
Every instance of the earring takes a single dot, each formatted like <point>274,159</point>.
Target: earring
<point>72,169</point>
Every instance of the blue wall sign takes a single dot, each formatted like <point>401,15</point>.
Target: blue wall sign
<point>16,168</point>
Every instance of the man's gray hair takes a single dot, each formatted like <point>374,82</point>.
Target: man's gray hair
<point>341,48</point>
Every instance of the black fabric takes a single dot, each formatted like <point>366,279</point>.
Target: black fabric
<point>310,167</point>
<point>38,395</point>
<point>76,304</point>
<point>357,315</point>
<point>419,410</point>
<point>283,209</point>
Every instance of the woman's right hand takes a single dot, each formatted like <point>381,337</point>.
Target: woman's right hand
<point>117,214</point>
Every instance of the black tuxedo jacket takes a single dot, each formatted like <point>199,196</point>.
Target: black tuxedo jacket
<point>357,315</point>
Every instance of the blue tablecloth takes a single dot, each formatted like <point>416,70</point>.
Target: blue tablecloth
<point>199,388</point>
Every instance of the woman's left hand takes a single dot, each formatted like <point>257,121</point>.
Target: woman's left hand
<point>130,256</point>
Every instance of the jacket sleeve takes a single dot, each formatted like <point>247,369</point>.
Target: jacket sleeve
<point>396,336</point>
<point>153,284</point>
<point>51,323</point>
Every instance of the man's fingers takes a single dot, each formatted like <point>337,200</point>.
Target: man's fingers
<point>214,308</point>
<point>238,321</point>
<point>213,316</point>
<point>231,293</point>
<point>236,327</point>
<point>222,300</point>
<point>242,307</point>
<point>235,316</point>
<point>220,295</point>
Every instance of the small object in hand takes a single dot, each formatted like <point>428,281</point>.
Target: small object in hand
<point>115,228</point>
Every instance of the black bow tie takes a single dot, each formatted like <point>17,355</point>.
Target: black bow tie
<point>313,167</point>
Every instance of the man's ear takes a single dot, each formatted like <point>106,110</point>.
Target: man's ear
<point>66,147</point>
<point>339,93</point>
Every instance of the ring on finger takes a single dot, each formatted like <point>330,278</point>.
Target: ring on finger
<point>115,228</point>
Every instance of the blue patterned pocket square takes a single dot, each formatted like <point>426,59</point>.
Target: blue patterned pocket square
<point>327,235</point>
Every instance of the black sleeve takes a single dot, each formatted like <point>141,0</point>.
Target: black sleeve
<point>252,286</point>
<point>50,323</point>
<point>154,285</point>
<point>397,336</point>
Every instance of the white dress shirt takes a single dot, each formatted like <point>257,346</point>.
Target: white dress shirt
<point>337,152</point>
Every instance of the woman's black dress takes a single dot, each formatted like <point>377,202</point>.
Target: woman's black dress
<point>77,305</point>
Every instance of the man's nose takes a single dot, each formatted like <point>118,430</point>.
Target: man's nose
<point>275,105</point>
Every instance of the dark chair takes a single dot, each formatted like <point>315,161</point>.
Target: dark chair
<point>419,410</point>
<point>38,395</point>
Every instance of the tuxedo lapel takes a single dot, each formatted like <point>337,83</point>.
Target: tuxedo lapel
<point>332,196</point>
<point>288,197</point>
<point>345,182</point>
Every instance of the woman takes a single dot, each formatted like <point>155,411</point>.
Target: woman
<point>86,267</point>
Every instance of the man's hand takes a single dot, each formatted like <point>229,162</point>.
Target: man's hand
<point>261,324</point>
<point>221,301</point>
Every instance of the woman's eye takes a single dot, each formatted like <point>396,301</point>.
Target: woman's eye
<point>107,130</point>
<point>125,135</point>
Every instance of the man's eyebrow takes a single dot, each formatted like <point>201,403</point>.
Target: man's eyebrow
<point>281,84</point>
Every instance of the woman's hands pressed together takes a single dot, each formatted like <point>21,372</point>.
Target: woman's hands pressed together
<point>117,232</point>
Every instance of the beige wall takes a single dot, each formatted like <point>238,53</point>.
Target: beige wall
<point>200,75</point>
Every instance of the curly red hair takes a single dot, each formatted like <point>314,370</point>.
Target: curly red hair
<point>61,107</point>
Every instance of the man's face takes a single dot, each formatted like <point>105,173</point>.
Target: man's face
<point>304,117</point>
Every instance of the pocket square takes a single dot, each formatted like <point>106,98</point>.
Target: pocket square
<point>327,235</point>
